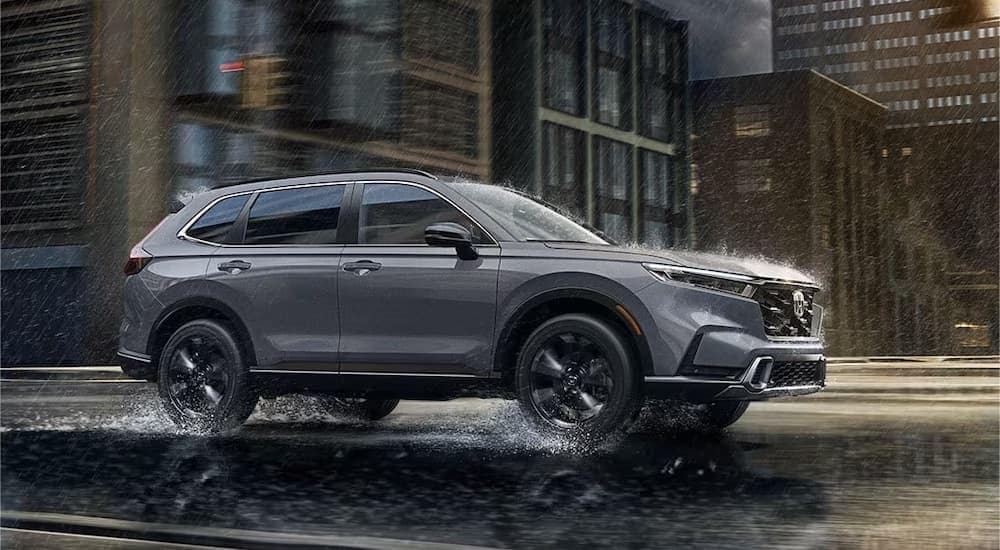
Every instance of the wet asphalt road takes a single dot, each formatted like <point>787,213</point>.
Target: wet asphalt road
<point>804,473</point>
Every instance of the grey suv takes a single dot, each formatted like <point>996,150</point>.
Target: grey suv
<point>370,287</point>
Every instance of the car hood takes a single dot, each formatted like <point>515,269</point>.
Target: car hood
<point>752,267</point>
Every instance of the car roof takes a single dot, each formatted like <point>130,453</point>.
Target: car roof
<point>403,174</point>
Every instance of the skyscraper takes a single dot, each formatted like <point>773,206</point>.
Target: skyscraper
<point>929,62</point>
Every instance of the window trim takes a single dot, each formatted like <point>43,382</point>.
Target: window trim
<point>241,218</point>
<point>356,210</point>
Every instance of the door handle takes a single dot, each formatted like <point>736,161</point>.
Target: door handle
<point>234,266</point>
<point>362,268</point>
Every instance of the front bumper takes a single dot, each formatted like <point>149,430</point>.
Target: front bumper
<point>760,380</point>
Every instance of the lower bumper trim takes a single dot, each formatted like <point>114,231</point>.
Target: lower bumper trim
<point>742,393</point>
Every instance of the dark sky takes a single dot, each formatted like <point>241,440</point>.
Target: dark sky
<point>728,37</point>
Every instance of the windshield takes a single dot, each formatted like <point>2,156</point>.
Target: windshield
<point>526,218</point>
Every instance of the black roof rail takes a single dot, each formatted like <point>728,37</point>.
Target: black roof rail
<point>333,172</point>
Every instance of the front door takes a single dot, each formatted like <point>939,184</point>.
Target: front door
<point>281,272</point>
<point>407,307</point>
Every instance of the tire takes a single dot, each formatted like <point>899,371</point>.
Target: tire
<point>203,381</point>
<point>722,414</point>
<point>363,408</point>
<point>575,377</point>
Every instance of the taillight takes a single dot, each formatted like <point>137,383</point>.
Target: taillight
<point>138,257</point>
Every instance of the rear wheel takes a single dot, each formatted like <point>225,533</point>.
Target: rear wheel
<point>203,381</point>
<point>576,377</point>
<point>722,414</point>
<point>360,407</point>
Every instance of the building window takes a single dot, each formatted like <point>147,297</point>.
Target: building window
<point>659,77</point>
<point>612,59</point>
<point>656,190</point>
<point>563,168</point>
<point>613,188</point>
<point>443,31</point>
<point>752,120</point>
<point>753,175</point>
<point>440,117</point>
<point>46,71</point>
<point>563,22</point>
<point>357,45</point>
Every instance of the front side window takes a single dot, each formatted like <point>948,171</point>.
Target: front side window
<point>214,225</point>
<point>393,213</point>
<point>302,215</point>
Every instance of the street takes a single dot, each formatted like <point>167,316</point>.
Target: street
<point>99,463</point>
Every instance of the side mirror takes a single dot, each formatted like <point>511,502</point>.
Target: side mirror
<point>452,235</point>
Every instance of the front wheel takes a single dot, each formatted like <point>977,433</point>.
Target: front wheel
<point>202,379</point>
<point>576,377</point>
<point>363,408</point>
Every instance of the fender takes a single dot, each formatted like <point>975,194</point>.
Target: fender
<point>200,301</point>
<point>599,290</point>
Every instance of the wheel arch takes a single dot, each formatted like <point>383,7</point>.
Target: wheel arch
<point>190,309</point>
<point>542,306</point>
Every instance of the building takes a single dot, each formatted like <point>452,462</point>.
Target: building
<point>790,168</point>
<point>929,61</point>
<point>934,64</point>
<point>112,108</point>
<point>591,112</point>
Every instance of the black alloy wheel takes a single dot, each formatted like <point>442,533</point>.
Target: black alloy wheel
<point>203,381</point>
<point>576,376</point>
<point>570,379</point>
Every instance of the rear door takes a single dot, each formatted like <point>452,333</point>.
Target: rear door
<point>280,273</point>
<point>409,308</point>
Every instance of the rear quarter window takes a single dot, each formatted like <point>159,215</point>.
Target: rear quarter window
<point>214,225</point>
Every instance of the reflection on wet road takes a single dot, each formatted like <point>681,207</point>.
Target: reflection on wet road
<point>795,474</point>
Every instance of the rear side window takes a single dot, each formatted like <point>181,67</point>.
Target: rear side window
<point>303,215</point>
<point>214,225</point>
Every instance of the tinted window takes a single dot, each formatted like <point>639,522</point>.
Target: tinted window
<point>398,214</point>
<point>305,215</point>
<point>214,225</point>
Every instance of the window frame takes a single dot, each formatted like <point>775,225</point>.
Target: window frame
<point>347,226</point>
<point>237,231</point>
<point>353,221</point>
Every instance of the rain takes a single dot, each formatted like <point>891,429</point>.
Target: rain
<point>499,273</point>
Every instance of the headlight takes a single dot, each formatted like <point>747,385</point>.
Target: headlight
<point>705,278</point>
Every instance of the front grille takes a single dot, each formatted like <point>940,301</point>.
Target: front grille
<point>796,373</point>
<point>777,306</point>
